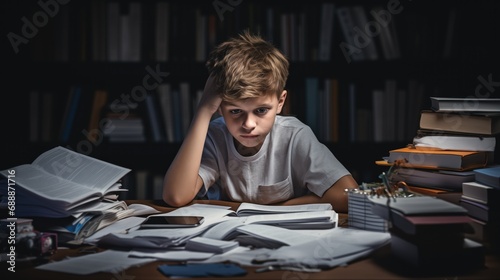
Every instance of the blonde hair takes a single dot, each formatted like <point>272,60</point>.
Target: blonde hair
<point>248,66</point>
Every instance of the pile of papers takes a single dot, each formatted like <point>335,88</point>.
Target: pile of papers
<point>361,215</point>
<point>72,193</point>
<point>61,182</point>
<point>249,240</point>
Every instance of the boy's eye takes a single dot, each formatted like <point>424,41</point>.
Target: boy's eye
<point>235,111</point>
<point>261,110</point>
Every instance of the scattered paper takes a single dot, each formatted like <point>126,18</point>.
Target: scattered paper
<point>107,261</point>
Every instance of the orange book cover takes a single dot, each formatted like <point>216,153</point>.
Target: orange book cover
<point>440,159</point>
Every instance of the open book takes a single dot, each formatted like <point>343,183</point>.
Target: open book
<point>248,209</point>
<point>61,181</point>
<point>304,216</point>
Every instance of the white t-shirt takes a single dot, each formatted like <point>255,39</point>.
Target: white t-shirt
<point>290,163</point>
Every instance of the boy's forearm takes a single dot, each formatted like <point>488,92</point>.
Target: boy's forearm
<point>339,204</point>
<point>335,195</point>
<point>179,186</point>
<point>305,199</point>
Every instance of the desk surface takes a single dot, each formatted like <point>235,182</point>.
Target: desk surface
<point>379,265</point>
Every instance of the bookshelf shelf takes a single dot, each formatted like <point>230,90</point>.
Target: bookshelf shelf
<point>425,67</point>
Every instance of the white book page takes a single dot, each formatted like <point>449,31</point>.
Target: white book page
<point>340,243</point>
<point>172,255</point>
<point>80,169</point>
<point>39,182</point>
<point>252,208</point>
<point>224,229</point>
<point>283,235</point>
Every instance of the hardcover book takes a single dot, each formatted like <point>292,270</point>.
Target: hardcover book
<point>480,193</point>
<point>482,124</point>
<point>415,206</point>
<point>489,176</point>
<point>440,159</point>
<point>442,141</point>
<point>480,211</point>
<point>436,179</point>
<point>422,215</point>
<point>467,104</point>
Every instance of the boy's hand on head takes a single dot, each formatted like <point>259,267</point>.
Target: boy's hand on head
<point>211,99</point>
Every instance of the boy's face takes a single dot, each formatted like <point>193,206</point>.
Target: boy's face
<point>250,120</point>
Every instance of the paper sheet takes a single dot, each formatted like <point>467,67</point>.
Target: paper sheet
<point>106,261</point>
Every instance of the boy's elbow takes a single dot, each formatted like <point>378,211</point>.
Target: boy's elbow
<point>174,200</point>
<point>176,197</point>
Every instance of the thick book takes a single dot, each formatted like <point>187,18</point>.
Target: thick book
<point>466,104</point>
<point>435,179</point>
<point>440,159</point>
<point>430,225</point>
<point>60,181</point>
<point>481,193</point>
<point>453,196</point>
<point>485,233</point>
<point>442,141</point>
<point>489,176</point>
<point>421,215</point>
<point>482,124</point>
<point>480,211</point>
<point>415,206</point>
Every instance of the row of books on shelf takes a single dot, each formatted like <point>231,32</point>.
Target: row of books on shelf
<point>452,158</point>
<point>163,114</point>
<point>172,30</point>
<point>382,114</point>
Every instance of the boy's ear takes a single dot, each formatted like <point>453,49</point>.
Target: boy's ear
<point>281,100</point>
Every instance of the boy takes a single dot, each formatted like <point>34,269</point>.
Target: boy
<point>251,153</point>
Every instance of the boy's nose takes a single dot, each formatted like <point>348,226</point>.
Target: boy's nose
<point>249,122</point>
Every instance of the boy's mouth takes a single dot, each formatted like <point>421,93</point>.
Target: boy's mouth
<point>249,136</point>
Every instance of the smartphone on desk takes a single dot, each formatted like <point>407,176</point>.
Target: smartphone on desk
<point>172,221</point>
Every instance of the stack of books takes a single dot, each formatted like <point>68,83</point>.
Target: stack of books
<point>68,190</point>
<point>429,233</point>
<point>60,182</point>
<point>481,198</point>
<point>455,137</point>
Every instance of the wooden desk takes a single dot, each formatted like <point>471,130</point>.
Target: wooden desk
<point>379,265</point>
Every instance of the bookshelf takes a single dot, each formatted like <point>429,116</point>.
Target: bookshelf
<point>54,48</point>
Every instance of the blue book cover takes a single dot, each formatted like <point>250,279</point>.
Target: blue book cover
<point>312,98</point>
<point>71,114</point>
<point>489,176</point>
